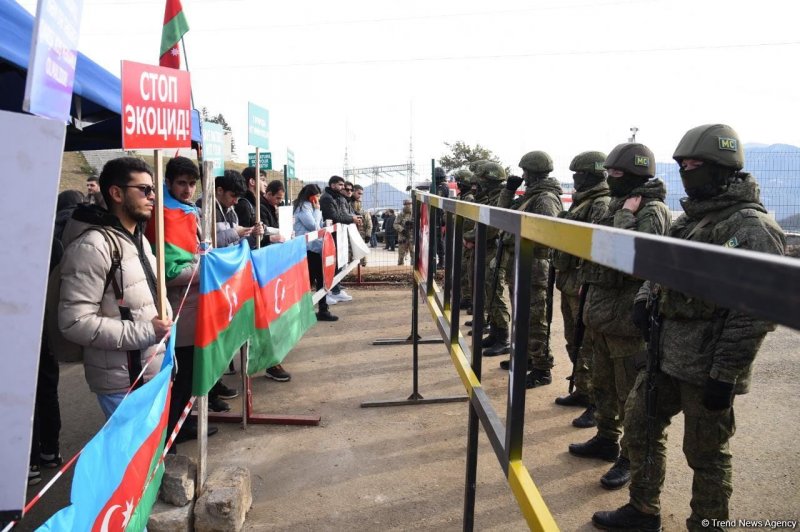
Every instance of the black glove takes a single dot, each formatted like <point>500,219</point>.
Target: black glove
<point>513,182</point>
<point>718,395</point>
<point>641,318</point>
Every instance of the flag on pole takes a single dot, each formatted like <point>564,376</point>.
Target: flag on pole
<point>284,308</point>
<point>224,312</point>
<point>181,237</point>
<point>175,26</point>
<point>119,471</point>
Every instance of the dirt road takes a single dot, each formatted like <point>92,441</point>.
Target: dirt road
<point>402,468</point>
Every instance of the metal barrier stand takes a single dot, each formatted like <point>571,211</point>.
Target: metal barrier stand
<point>418,289</point>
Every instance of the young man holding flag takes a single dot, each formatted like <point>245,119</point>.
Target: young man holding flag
<point>108,284</point>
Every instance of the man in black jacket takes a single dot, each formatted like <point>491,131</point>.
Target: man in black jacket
<point>245,207</point>
<point>336,208</point>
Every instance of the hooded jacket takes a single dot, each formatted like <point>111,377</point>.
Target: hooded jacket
<point>335,207</point>
<point>588,206</point>
<point>699,339</point>
<point>611,293</point>
<point>88,312</point>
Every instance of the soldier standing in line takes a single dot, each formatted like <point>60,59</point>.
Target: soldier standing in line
<point>404,226</point>
<point>706,352</point>
<point>542,196</point>
<point>441,189</point>
<point>365,229</point>
<point>464,181</point>
<point>589,204</point>
<point>469,225</point>
<point>637,203</point>
<point>490,178</point>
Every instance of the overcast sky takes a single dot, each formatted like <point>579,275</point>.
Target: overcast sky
<point>512,75</point>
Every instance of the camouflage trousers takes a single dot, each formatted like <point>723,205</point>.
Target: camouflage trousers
<point>705,444</point>
<point>405,248</point>
<point>613,375</point>
<point>467,274</point>
<point>496,308</point>
<point>537,328</point>
<point>583,362</point>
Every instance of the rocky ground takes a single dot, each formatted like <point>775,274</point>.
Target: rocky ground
<point>402,468</point>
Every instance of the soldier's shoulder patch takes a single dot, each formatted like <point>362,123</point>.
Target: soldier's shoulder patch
<point>732,243</point>
<point>727,143</point>
<point>598,167</point>
<point>641,160</point>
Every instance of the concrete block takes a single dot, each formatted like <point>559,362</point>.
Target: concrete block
<point>225,501</point>
<point>168,518</point>
<point>178,484</point>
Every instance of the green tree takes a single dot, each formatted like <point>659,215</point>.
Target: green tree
<point>462,154</point>
<point>219,119</point>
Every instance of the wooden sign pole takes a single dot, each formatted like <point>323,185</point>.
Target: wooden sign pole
<point>158,215</point>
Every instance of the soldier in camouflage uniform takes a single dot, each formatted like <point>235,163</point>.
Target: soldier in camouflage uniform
<point>589,204</point>
<point>700,371</point>
<point>404,226</point>
<point>464,181</point>
<point>365,229</point>
<point>637,204</point>
<point>490,178</point>
<point>542,196</point>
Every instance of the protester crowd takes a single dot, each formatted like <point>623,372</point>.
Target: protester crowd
<point>107,305</point>
<point>102,301</point>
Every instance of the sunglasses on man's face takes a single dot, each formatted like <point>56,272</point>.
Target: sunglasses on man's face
<point>348,189</point>
<point>144,189</point>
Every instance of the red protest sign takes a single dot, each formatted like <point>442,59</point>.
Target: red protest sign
<point>156,107</point>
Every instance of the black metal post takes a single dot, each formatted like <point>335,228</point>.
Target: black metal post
<point>415,306</point>
<point>474,423</point>
<point>431,250</point>
<point>455,231</point>
<point>449,278</point>
<point>520,324</point>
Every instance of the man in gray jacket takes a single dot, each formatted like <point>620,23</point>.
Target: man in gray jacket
<point>108,285</point>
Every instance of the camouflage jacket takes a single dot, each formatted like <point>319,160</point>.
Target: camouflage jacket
<point>483,197</point>
<point>542,197</point>
<point>588,206</point>
<point>366,227</point>
<point>611,293</point>
<point>404,234</point>
<point>467,196</point>
<point>699,339</point>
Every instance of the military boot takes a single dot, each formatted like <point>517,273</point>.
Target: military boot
<point>505,364</point>
<point>585,420</point>
<point>574,399</point>
<point>618,475</point>
<point>538,377</point>
<point>627,518</point>
<point>500,345</point>
<point>597,447</point>
<point>491,338</point>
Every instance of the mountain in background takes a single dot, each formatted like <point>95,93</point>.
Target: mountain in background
<point>776,167</point>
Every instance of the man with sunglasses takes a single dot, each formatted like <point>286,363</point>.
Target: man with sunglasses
<point>108,285</point>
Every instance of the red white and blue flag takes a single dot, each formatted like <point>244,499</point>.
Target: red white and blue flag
<point>119,471</point>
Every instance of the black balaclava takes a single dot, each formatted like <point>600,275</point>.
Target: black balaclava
<point>585,181</point>
<point>622,186</point>
<point>706,181</point>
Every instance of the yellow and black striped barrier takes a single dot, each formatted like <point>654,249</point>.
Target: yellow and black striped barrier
<point>763,285</point>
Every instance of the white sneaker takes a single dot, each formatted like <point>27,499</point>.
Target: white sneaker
<point>343,296</point>
<point>331,300</point>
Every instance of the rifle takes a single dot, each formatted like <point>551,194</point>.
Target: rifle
<point>651,390</point>
<point>580,330</point>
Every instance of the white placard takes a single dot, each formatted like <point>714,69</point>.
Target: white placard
<point>30,151</point>
<point>342,246</point>
<point>285,221</point>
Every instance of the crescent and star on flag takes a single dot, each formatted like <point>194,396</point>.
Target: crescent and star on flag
<point>126,515</point>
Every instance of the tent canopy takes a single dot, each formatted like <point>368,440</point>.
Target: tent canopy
<point>96,99</point>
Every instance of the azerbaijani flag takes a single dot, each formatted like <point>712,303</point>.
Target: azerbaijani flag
<point>123,458</point>
<point>224,312</point>
<point>181,240</point>
<point>284,309</point>
<point>175,26</point>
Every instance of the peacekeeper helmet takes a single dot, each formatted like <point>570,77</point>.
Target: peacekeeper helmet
<point>491,172</point>
<point>713,143</point>
<point>632,158</point>
<point>536,162</point>
<point>473,167</point>
<point>589,162</point>
<point>463,176</point>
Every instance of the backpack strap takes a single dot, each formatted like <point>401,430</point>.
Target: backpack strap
<point>125,314</point>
